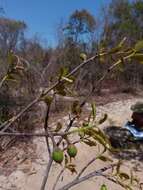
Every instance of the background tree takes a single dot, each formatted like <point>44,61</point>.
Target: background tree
<point>11,34</point>
<point>80,26</point>
<point>78,35</point>
<point>124,19</point>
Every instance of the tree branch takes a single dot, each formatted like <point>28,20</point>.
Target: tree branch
<point>46,129</point>
<point>88,164</point>
<point>57,179</point>
<point>86,177</point>
<point>46,174</point>
<point>3,80</point>
<point>67,129</point>
<point>29,134</point>
<point>8,123</point>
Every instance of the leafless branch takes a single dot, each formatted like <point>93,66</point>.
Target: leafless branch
<point>57,179</point>
<point>3,80</point>
<point>2,134</point>
<point>48,146</point>
<point>46,128</point>
<point>46,174</point>
<point>67,129</point>
<point>88,164</point>
<point>45,134</point>
<point>114,180</point>
<point>86,177</point>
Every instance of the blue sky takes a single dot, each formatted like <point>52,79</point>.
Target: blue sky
<point>43,16</point>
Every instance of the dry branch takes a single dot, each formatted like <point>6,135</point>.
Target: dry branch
<point>86,177</point>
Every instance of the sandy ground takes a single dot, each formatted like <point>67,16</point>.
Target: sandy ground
<point>29,174</point>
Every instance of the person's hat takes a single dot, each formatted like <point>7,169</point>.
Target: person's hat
<point>137,107</point>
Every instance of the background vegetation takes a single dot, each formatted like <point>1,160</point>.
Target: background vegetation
<point>27,69</point>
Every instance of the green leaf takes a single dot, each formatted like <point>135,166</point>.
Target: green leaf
<point>132,177</point>
<point>67,79</point>
<point>115,50</point>
<point>122,42</point>
<point>118,47</point>
<point>58,127</point>
<point>103,135</point>
<point>47,99</point>
<point>103,187</point>
<point>138,57</point>
<point>118,167</point>
<point>136,181</point>
<point>60,89</point>
<point>93,110</point>
<point>105,158</point>
<point>76,109</point>
<point>120,67</point>
<point>66,160</point>
<point>63,71</point>
<point>12,59</point>
<point>99,139</point>
<point>98,136</point>
<point>139,46</point>
<point>83,56</point>
<point>81,134</point>
<point>11,77</point>
<point>123,176</point>
<point>89,142</point>
<point>101,59</point>
<point>71,168</point>
<point>88,131</point>
<point>85,124</point>
<point>103,119</point>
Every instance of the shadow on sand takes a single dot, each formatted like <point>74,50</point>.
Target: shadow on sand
<point>121,138</point>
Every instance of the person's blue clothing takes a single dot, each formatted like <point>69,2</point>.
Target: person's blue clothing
<point>138,135</point>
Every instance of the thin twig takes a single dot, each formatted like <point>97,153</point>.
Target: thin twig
<point>84,63</point>
<point>3,80</point>
<point>84,168</point>
<point>49,165</point>
<point>44,71</point>
<point>13,119</point>
<point>67,129</point>
<point>46,174</point>
<point>46,129</point>
<point>75,142</point>
<point>113,180</point>
<point>45,134</point>
<point>29,134</point>
<point>88,164</point>
<point>48,146</point>
<point>8,123</point>
<point>103,77</point>
<point>86,177</point>
<point>57,179</point>
<point>90,93</point>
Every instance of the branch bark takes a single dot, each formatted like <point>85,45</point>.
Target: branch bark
<point>86,177</point>
<point>88,164</point>
<point>57,179</point>
<point>46,129</point>
<point>46,174</point>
